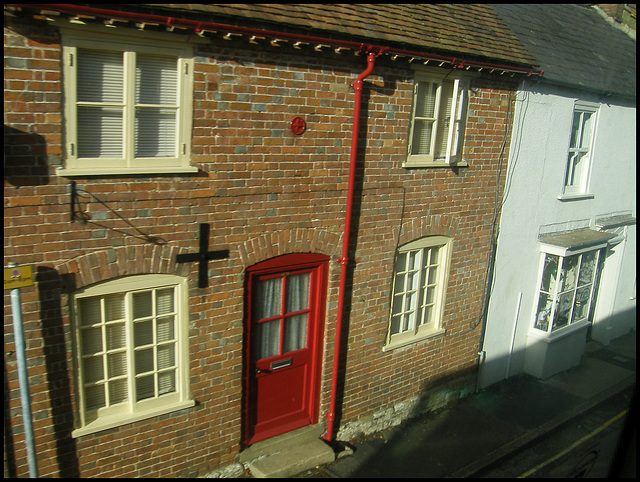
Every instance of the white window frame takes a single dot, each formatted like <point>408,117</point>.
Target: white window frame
<point>129,44</point>
<point>454,131</point>
<point>543,321</point>
<point>130,410</point>
<point>416,328</point>
<point>580,188</point>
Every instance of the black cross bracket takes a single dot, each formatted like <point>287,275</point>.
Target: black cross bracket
<point>203,256</point>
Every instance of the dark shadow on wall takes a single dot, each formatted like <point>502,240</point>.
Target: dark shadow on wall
<point>25,158</point>
<point>59,373</point>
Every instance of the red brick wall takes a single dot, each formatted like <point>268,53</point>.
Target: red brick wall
<point>265,192</point>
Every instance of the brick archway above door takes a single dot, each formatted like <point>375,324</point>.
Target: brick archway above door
<point>297,240</point>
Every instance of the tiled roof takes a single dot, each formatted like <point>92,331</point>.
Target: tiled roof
<point>474,31</point>
<point>574,45</point>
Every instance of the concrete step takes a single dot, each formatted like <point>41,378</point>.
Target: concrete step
<point>288,454</point>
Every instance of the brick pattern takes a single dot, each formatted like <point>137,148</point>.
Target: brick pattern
<point>265,192</point>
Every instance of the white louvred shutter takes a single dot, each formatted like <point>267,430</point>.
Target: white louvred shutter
<point>156,97</point>
<point>100,112</point>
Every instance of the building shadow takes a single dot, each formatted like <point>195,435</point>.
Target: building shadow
<point>50,287</point>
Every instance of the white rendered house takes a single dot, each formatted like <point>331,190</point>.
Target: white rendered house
<point>565,264</point>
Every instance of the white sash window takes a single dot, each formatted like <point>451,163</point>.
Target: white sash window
<point>437,122</point>
<point>131,350</point>
<point>127,106</point>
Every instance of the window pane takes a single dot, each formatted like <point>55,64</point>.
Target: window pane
<point>156,80</point>
<point>395,325</point>
<point>144,360</point>
<point>543,312</point>
<point>295,333</point>
<point>297,292</point>
<point>117,364</point>
<point>166,382</point>
<point>588,268</point>
<point>118,391</point>
<point>93,369</point>
<point>142,304</point>
<point>428,315</point>
<point>116,336</point>
<point>145,387</point>
<point>587,127</point>
<point>267,341</point>
<point>563,310</point>
<point>166,356</point>
<point>100,76</point>
<point>155,132</point>
<point>100,132</point>
<point>549,273</point>
<point>426,99</point>
<point>94,397</point>
<point>165,329</point>
<point>268,298</point>
<point>581,307</point>
<point>569,275</point>
<point>164,301</point>
<point>89,311</point>
<point>91,340</point>
<point>422,133</point>
<point>114,307</point>
<point>143,333</point>
<point>575,129</point>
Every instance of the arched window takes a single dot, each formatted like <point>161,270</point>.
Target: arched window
<point>420,275</point>
<point>131,352</point>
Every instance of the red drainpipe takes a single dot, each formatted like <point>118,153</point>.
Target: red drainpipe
<point>344,261</point>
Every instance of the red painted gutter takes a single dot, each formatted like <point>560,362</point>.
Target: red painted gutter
<point>344,260</point>
<point>198,26</point>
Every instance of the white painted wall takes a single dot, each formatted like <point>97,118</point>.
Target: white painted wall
<point>537,161</point>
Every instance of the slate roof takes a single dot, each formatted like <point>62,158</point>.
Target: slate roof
<point>575,46</point>
<point>473,31</point>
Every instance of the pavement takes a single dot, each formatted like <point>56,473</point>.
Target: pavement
<point>477,432</point>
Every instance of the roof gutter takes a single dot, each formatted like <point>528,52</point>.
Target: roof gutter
<point>202,27</point>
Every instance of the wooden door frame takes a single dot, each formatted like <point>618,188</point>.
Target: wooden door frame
<point>278,264</point>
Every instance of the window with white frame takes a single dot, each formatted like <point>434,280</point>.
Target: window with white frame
<point>580,148</point>
<point>437,120</point>
<point>131,353</point>
<point>127,105</point>
<point>567,289</point>
<point>420,276</point>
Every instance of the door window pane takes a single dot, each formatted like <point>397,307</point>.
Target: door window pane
<point>297,292</point>
<point>267,339</point>
<point>295,333</point>
<point>268,298</point>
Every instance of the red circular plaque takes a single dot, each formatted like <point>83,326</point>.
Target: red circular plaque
<point>298,125</point>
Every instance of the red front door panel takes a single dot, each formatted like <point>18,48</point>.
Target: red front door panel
<point>284,336</point>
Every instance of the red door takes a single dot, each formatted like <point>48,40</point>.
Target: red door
<point>286,306</point>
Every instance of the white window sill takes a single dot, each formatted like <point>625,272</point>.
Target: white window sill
<point>575,197</point>
<point>411,165</point>
<point>62,172</point>
<point>116,420</point>
<point>559,333</point>
<point>422,336</point>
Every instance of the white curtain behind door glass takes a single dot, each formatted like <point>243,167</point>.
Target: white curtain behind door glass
<point>296,299</point>
<point>267,303</point>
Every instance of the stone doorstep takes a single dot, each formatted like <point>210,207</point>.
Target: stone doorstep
<point>288,454</point>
